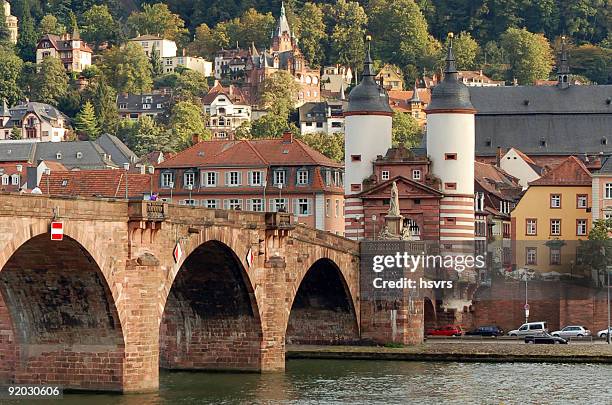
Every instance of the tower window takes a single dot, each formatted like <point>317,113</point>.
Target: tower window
<point>355,158</point>
<point>450,186</point>
<point>384,175</point>
<point>356,187</point>
<point>450,156</point>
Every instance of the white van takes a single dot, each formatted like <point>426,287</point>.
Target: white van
<point>530,329</point>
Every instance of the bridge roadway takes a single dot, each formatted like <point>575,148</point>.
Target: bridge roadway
<point>108,305</point>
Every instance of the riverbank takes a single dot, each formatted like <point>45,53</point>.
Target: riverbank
<point>461,352</point>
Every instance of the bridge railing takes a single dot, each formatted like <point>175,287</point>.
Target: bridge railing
<point>155,211</point>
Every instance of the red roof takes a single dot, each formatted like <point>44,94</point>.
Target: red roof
<point>571,172</point>
<point>249,153</point>
<point>233,93</point>
<point>99,183</point>
<point>400,99</point>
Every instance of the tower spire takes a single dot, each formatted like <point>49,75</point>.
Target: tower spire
<point>415,94</point>
<point>368,65</point>
<point>563,70</point>
<point>451,67</point>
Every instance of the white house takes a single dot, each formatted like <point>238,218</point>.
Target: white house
<point>227,109</point>
<point>164,47</point>
<point>74,53</point>
<point>519,165</point>
<point>190,62</point>
<point>325,117</point>
<point>38,122</point>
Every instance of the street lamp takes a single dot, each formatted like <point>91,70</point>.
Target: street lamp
<point>608,337</point>
<point>47,173</point>
<point>190,187</point>
<point>280,197</point>
<point>374,225</point>
<point>264,184</point>
<point>527,274</point>
<point>126,167</point>
<point>171,185</point>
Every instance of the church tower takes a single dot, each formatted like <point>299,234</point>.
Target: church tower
<point>451,149</point>
<point>282,40</point>
<point>563,70</point>
<point>367,126</point>
<point>11,21</point>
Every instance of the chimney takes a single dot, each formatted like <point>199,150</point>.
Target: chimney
<point>498,156</point>
<point>195,138</point>
<point>184,52</point>
<point>287,137</point>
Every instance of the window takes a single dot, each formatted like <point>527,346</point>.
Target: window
<point>233,204</point>
<point>450,186</point>
<point>581,227</point>
<point>123,106</point>
<point>608,191</point>
<point>337,208</point>
<point>188,202</point>
<point>555,227</point>
<point>255,179</point>
<point>166,179</point>
<point>479,201</point>
<point>302,206</point>
<point>384,175</point>
<point>279,177</point>
<point>355,158</point>
<point>15,179</point>
<point>531,226</point>
<point>5,180</point>
<point>416,174</point>
<point>58,155</point>
<point>255,204</point>
<point>356,187</point>
<point>188,179</point>
<point>232,178</point>
<point>555,256</point>
<point>278,204</point>
<point>210,203</point>
<point>302,177</point>
<point>327,206</point>
<point>531,256</point>
<point>582,200</point>
<point>450,156</point>
<point>555,201</point>
<point>210,179</point>
<point>319,125</point>
<point>338,178</point>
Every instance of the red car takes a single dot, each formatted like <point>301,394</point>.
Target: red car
<point>448,330</point>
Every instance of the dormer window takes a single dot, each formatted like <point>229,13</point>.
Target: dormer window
<point>79,155</point>
<point>542,142</point>
<point>58,155</point>
<point>604,141</point>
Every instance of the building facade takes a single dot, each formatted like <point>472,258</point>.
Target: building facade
<point>35,122</point>
<point>134,106</point>
<point>227,109</point>
<point>257,175</point>
<point>325,117</point>
<point>11,21</point>
<point>390,77</point>
<point>165,48</point>
<point>602,191</point>
<point>195,63</point>
<point>74,53</point>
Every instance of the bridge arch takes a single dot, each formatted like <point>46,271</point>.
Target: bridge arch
<point>58,305</point>
<point>323,309</point>
<point>211,318</point>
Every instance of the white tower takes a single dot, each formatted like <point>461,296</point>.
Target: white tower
<point>450,146</point>
<point>367,134</point>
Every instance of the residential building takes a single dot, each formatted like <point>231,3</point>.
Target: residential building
<point>195,63</point>
<point>602,190</point>
<point>37,122</point>
<point>134,106</point>
<point>74,53</point>
<point>11,21</point>
<point>227,109</point>
<point>335,80</point>
<point>554,211</point>
<point>326,117</point>
<point>12,176</point>
<point>475,78</point>
<point>165,48</point>
<point>413,102</point>
<point>257,175</point>
<point>230,63</point>
<point>390,77</point>
<point>284,54</point>
<point>521,166</point>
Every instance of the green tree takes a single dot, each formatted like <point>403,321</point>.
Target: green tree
<point>27,38</point>
<point>529,54</point>
<point>312,34</point>
<point>205,42</point>
<point>157,19</point>
<point>50,25</point>
<point>5,34</point>
<point>103,98</point>
<point>10,71</point>
<point>16,133</point>
<point>597,250</point>
<point>465,49</point>
<point>593,62</point>
<point>406,130</point>
<point>70,103</point>
<point>86,123</point>
<point>51,81</point>
<point>331,145</point>
<point>127,68</point>
<point>579,18</point>
<point>279,93</point>
<point>157,66</point>
<point>271,125</point>
<point>254,27</point>
<point>348,33</point>
<point>187,121</point>
<point>191,84</point>
<point>144,136</point>
<point>99,27</point>
<point>400,31</point>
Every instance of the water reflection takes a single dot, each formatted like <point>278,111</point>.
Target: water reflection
<point>365,382</point>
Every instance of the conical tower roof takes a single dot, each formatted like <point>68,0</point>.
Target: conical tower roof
<point>563,68</point>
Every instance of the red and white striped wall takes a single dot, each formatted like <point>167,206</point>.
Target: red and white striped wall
<point>457,217</point>
<point>354,225</point>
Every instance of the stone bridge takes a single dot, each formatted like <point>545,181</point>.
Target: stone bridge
<point>108,306</point>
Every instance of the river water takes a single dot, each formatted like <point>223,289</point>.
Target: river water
<point>385,382</point>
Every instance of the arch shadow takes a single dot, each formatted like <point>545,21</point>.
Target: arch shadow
<point>322,311</point>
<point>58,307</point>
<point>211,318</point>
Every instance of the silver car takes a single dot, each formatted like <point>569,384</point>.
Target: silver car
<point>604,333</point>
<point>572,331</point>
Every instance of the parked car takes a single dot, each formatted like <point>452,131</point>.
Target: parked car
<point>449,330</point>
<point>603,333</point>
<point>572,331</point>
<point>530,329</point>
<point>486,331</point>
<point>545,339</point>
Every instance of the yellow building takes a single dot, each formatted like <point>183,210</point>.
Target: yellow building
<point>391,77</point>
<point>550,219</point>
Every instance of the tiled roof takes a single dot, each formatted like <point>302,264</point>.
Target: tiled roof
<point>100,183</point>
<point>572,172</point>
<point>399,99</point>
<point>233,93</point>
<point>256,152</point>
<point>606,166</point>
<point>64,43</point>
<point>496,181</point>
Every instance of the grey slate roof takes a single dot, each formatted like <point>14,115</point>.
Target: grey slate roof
<point>450,94</point>
<point>43,111</point>
<point>118,151</point>
<point>134,102</point>
<point>543,120</point>
<point>14,151</point>
<point>313,112</point>
<point>606,167</point>
<point>368,96</point>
